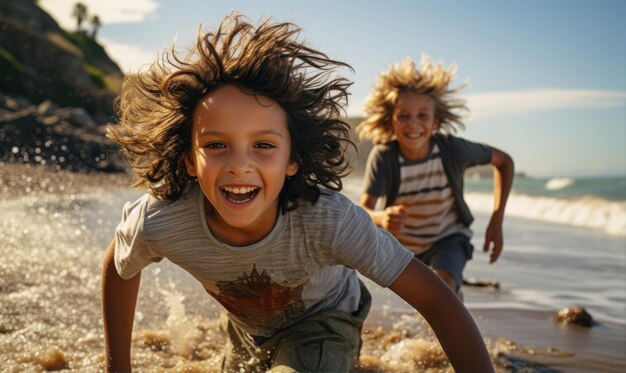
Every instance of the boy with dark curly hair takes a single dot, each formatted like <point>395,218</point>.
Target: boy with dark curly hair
<point>241,147</point>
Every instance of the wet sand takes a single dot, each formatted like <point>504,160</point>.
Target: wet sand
<point>23,179</point>
<point>53,231</point>
<point>522,340</point>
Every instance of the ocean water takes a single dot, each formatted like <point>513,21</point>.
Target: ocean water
<point>580,202</point>
<point>565,243</point>
<point>52,237</point>
<point>580,257</point>
<point>599,204</point>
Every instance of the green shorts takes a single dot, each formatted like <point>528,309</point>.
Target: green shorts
<point>328,341</point>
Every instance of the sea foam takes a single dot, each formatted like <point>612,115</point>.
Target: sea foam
<point>558,183</point>
<point>590,212</point>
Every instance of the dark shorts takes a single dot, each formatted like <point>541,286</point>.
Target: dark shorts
<point>329,341</point>
<point>449,254</point>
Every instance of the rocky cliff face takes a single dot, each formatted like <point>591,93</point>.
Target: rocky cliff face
<point>56,92</point>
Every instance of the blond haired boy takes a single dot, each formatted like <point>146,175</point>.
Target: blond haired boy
<point>417,168</point>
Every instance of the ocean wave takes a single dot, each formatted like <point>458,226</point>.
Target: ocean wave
<point>559,183</point>
<point>609,216</point>
<point>590,212</point>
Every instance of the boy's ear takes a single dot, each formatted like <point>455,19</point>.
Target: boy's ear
<point>437,123</point>
<point>191,167</point>
<point>292,168</point>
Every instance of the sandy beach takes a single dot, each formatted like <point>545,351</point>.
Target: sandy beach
<point>55,226</point>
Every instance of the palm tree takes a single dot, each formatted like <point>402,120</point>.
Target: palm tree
<point>80,12</point>
<point>95,25</point>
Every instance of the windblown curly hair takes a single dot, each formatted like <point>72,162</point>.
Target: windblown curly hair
<point>432,79</point>
<point>156,106</point>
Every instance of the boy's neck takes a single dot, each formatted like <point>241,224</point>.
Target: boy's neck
<point>416,154</point>
<point>236,236</point>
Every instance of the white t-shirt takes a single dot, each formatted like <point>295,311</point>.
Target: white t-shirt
<point>305,265</point>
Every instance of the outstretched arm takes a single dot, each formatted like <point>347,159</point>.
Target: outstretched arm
<point>451,321</point>
<point>119,298</point>
<point>391,219</point>
<point>502,181</point>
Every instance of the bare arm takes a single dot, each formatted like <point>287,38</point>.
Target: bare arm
<point>451,321</point>
<point>119,298</point>
<point>502,182</point>
<point>391,219</point>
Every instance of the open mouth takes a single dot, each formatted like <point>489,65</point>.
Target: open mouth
<point>413,136</point>
<point>240,195</point>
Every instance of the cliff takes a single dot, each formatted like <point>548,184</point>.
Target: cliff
<point>57,90</point>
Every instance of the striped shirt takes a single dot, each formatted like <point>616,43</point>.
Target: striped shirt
<point>429,203</point>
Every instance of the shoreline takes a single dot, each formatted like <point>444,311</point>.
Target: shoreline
<point>41,233</point>
<point>529,338</point>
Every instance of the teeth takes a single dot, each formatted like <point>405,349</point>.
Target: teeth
<point>239,190</point>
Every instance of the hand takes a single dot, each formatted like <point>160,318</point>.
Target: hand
<point>493,239</point>
<point>393,218</point>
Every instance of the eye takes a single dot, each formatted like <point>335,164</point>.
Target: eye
<point>264,145</point>
<point>403,117</point>
<point>214,145</point>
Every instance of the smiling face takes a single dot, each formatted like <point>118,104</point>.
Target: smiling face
<point>413,121</point>
<point>241,155</point>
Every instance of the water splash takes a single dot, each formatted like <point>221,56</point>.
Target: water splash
<point>184,334</point>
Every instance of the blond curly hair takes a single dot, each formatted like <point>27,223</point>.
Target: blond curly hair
<point>432,79</point>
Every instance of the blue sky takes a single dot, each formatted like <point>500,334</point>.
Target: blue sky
<point>546,79</point>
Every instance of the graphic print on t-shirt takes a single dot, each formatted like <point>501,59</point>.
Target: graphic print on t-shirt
<point>257,300</point>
